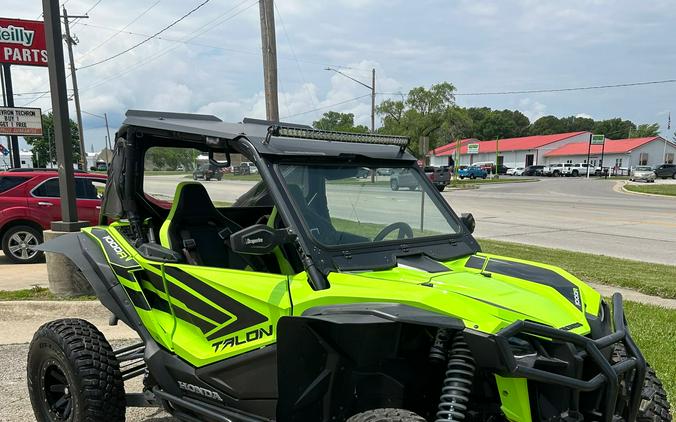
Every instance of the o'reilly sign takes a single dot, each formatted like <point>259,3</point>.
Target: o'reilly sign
<point>22,42</point>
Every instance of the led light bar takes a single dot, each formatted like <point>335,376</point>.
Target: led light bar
<point>329,135</point>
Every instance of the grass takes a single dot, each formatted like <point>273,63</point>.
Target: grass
<point>668,190</point>
<point>37,293</point>
<point>649,278</point>
<point>654,330</point>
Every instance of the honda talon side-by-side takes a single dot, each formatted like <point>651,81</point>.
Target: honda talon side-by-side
<point>319,296</point>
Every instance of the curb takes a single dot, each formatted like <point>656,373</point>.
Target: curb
<point>622,189</point>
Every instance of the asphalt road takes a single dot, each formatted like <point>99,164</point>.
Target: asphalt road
<point>575,214</point>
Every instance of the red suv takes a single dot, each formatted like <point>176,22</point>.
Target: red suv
<point>30,201</point>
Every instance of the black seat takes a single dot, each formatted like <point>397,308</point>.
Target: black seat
<point>196,229</point>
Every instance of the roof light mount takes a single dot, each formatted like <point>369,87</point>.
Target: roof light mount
<point>329,135</point>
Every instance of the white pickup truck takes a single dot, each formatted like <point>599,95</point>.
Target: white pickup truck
<point>555,170</point>
<point>577,169</point>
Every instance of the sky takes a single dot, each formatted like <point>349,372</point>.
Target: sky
<point>211,61</point>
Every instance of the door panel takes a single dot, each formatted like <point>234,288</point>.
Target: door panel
<point>222,313</point>
<point>45,202</point>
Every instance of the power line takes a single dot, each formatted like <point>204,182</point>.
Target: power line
<point>162,53</point>
<point>149,38</point>
<point>328,106</point>
<point>300,70</point>
<point>139,16</point>
<point>77,20</point>
<point>540,91</point>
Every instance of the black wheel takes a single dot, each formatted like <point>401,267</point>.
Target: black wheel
<point>654,406</point>
<point>461,177</point>
<point>673,176</point>
<point>471,176</point>
<point>18,241</point>
<point>394,184</point>
<point>194,176</point>
<point>386,415</point>
<point>441,188</point>
<point>484,176</point>
<point>576,173</point>
<point>557,174</point>
<point>73,374</point>
<point>207,178</point>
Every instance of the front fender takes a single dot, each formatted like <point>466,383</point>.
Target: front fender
<point>89,258</point>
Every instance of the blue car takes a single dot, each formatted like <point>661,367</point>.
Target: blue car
<point>472,172</point>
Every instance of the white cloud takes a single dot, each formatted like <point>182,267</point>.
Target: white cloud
<point>532,109</point>
<point>584,115</point>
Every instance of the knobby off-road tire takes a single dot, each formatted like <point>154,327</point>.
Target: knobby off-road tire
<point>386,415</point>
<point>653,406</point>
<point>73,374</point>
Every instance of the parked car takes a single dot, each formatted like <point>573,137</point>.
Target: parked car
<point>207,172</point>
<point>516,171</point>
<point>472,172</point>
<point>666,170</point>
<point>577,169</point>
<point>439,176</point>
<point>644,173</point>
<point>384,172</point>
<point>30,201</point>
<point>252,167</point>
<point>556,170</point>
<point>533,171</point>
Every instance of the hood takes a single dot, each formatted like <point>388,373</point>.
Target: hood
<point>487,292</point>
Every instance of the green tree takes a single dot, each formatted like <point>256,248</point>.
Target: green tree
<point>614,128</point>
<point>646,130</point>
<point>424,112</point>
<point>44,147</point>
<point>170,158</point>
<point>547,125</point>
<point>344,122</point>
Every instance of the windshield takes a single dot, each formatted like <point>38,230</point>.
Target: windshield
<point>352,204</point>
<point>643,168</point>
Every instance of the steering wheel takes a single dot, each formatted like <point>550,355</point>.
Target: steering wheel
<point>405,231</point>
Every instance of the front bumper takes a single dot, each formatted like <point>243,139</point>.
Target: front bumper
<point>495,351</point>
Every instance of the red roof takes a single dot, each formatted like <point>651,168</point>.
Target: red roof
<point>511,144</point>
<point>612,146</point>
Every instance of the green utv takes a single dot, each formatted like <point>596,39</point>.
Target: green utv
<point>320,296</point>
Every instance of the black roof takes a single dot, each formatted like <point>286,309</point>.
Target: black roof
<point>268,139</point>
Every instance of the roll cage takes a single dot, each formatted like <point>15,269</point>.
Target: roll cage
<point>268,144</point>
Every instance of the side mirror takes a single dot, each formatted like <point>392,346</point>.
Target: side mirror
<point>468,220</point>
<point>259,239</point>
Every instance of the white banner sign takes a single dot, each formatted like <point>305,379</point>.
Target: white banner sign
<point>20,121</point>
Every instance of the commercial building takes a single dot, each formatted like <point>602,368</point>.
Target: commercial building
<point>511,152</point>
<point>620,154</point>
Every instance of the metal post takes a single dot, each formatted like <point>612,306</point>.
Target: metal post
<point>589,153</point>
<point>269,44</point>
<point>9,95</point>
<point>373,101</point>
<point>64,147</point>
<point>110,150</point>
<point>76,94</point>
<point>497,156</point>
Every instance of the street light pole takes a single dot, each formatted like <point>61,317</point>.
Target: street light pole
<point>372,87</point>
<point>105,117</point>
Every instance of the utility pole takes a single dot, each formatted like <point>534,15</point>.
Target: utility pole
<point>269,45</point>
<point>70,41</point>
<point>373,100</point>
<point>9,99</point>
<point>110,149</point>
<point>64,148</point>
